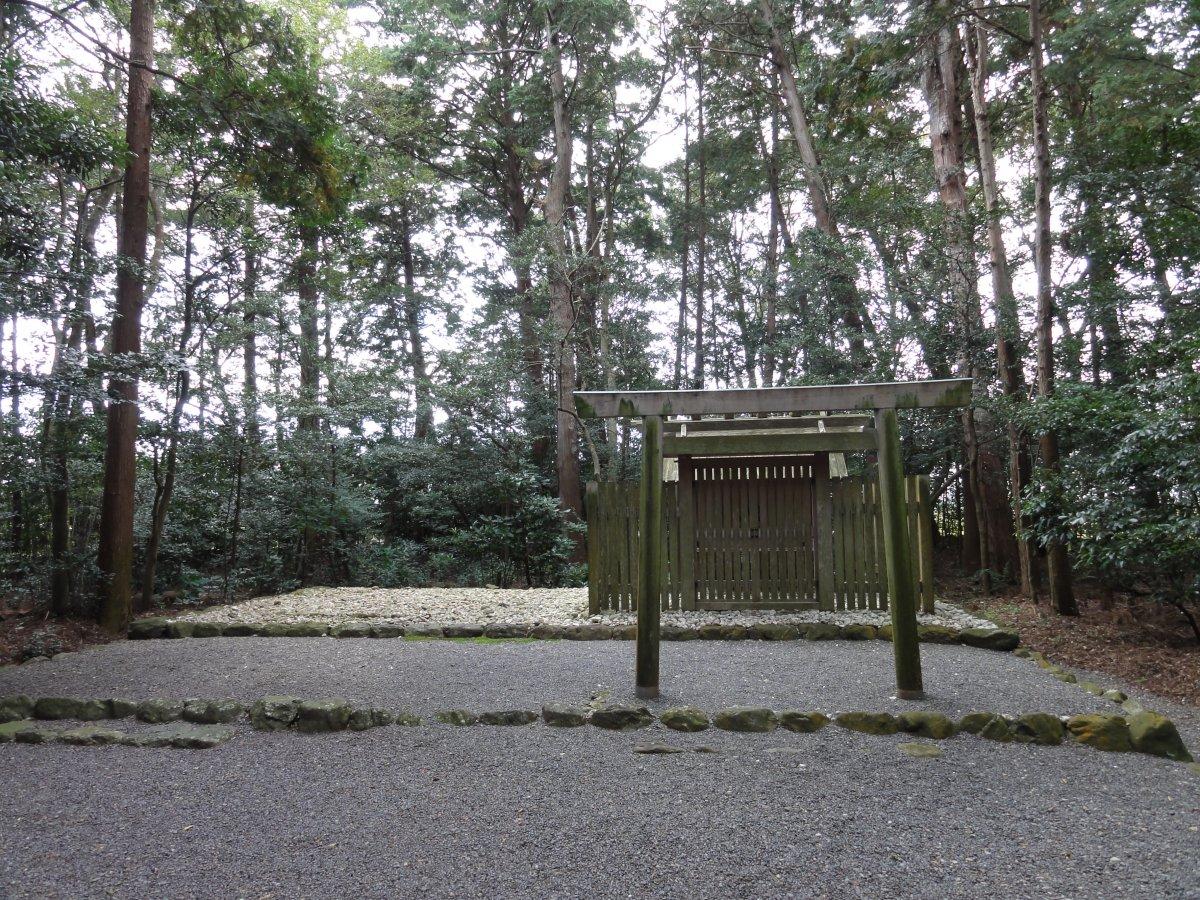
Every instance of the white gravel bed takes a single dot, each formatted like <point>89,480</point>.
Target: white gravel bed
<point>482,606</point>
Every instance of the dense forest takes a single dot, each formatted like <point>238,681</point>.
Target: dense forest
<point>296,292</point>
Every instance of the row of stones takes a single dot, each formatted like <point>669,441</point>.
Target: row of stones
<point>1116,695</point>
<point>1144,731</point>
<point>181,735</point>
<point>986,638</point>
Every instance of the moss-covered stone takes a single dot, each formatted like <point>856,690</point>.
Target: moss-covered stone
<point>387,630</point>
<point>508,717</point>
<point>1023,653</point>
<point>589,633</point>
<point>678,633</point>
<point>883,633</point>
<point>753,719</point>
<point>315,716</point>
<point>859,631</point>
<point>91,736</point>
<point>920,751</point>
<point>868,722</point>
<point>1065,677</point>
<point>926,723</point>
<point>564,715</point>
<point>685,718</point>
<point>405,719</point>
<point>990,638</point>
<point>145,629</point>
<point>823,631</point>
<point>621,717</point>
<point>15,707</point>
<point>361,718</point>
<point>36,734</point>
<point>274,713</point>
<point>208,630</point>
<point>456,717</point>
<point>1091,687</point>
<point>423,632</point>
<point>512,630</point>
<point>158,711</point>
<point>182,735</point>
<point>1157,735</point>
<point>1115,696</point>
<point>709,632</point>
<point>1103,732</point>
<point>802,722</point>
<point>774,631</point>
<point>9,729</point>
<point>462,631</point>
<point>181,629</point>
<point>119,708</point>
<point>212,712</point>
<point>351,630</point>
<point>986,724</point>
<point>1132,707</point>
<point>1038,728</point>
<point>72,708</point>
<point>241,629</point>
<point>937,634</point>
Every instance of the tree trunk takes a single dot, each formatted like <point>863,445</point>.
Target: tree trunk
<point>1008,329</point>
<point>115,555</point>
<point>686,228</point>
<point>249,335</point>
<point>940,85</point>
<point>1062,596</point>
<point>423,423</point>
<point>164,490</point>
<point>309,420</point>
<point>702,227</point>
<point>562,312</point>
<point>771,277</point>
<point>849,302</point>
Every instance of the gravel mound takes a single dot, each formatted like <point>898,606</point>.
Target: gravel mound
<point>484,606</point>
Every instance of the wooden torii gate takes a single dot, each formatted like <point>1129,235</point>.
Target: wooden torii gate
<point>881,399</point>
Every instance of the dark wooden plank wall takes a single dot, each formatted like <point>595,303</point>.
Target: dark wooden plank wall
<point>755,534</point>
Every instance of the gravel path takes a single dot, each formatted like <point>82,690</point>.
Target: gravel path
<point>474,606</point>
<point>498,813</point>
<point>429,675</point>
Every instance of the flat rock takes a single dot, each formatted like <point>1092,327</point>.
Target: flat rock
<point>456,717</point>
<point>868,722</point>
<point>91,736</point>
<point>657,749</point>
<point>212,712</point>
<point>754,719</point>
<point>937,634</point>
<point>183,735</point>
<point>990,638</point>
<point>621,717</point>
<point>352,630</point>
<point>1101,731</point>
<point>920,751</point>
<point>144,629</point>
<point>274,713</point>
<point>462,631</point>
<point>802,722</point>
<point>158,711</point>
<point>684,718</point>
<point>314,716</point>
<point>1157,735</point>
<point>859,632</point>
<point>16,707</point>
<point>71,708</point>
<point>121,708</point>
<point>770,631</point>
<point>564,715</point>
<point>926,723</point>
<point>208,630</point>
<point>1115,696</point>
<point>181,629</point>
<point>1038,728</point>
<point>822,631</point>
<point>508,717</point>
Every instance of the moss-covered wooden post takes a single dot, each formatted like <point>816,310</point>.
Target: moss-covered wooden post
<point>898,555</point>
<point>649,556</point>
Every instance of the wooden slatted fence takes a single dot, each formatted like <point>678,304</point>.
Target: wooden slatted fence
<point>754,529</point>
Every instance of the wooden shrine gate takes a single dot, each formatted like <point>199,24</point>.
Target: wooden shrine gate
<point>755,527</point>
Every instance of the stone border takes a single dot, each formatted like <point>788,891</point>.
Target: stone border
<point>196,723</point>
<point>160,627</point>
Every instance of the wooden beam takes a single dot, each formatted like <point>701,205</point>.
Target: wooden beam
<point>950,392</point>
<point>897,553</point>
<point>772,423</point>
<point>649,558</point>
<point>751,444</point>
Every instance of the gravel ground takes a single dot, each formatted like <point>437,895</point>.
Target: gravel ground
<point>498,813</point>
<point>430,675</point>
<point>472,606</point>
